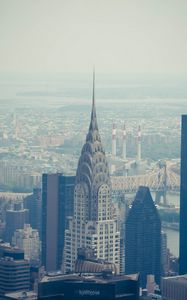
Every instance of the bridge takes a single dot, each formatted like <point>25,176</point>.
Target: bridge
<point>164,177</point>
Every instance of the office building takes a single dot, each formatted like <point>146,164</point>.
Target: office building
<point>14,275</point>
<point>57,205</point>
<point>14,270</point>
<point>183,202</point>
<point>143,238</point>
<point>6,250</point>
<point>164,255</point>
<point>93,225</point>
<point>16,217</point>
<point>28,240</point>
<point>34,205</point>
<point>101,286</point>
<point>174,288</point>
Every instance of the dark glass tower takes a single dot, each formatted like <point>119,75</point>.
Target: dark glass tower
<point>57,205</point>
<point>34,204</point>
<point>143,238</point>
<point>14,270</point>
<point>183,200</point>
<point>16,217</point>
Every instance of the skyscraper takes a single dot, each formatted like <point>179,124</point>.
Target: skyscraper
<point>164,254</point>
<point>143,238</point>
<point>93,225</point>
<point>183,200</point>
<point>14,270</point>
<point>57,205</point>
<point>16,217</point>
<point>28,240</point>
<point>34,204</point>
<point>174,287</point>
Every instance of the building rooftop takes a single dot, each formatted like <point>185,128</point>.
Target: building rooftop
<point>103,277</point>
<point>22,295</point>
<point>10,260</point>
<point>179,278</point>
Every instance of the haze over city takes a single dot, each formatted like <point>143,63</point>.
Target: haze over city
<point>115,36</point>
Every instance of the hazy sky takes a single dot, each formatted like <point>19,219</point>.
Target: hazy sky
<point>73,35</point>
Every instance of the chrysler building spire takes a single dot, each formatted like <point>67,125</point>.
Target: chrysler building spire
<point>93,169</point>
<point>93,225</point>
<point>93,121</point>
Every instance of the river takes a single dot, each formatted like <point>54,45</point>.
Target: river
<point>172,241</point>
<point>172,235</point>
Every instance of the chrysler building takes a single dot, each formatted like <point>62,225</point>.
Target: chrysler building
<point>93,225</point>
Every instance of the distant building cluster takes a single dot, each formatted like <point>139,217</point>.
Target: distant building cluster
<point>17,177</point>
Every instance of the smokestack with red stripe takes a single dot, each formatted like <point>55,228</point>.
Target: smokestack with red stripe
<point>114,140</point>
<point>124,150</point>
<point>139,144</point>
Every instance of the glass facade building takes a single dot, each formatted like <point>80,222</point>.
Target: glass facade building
<point>143,238</point>
<point>57,205</point>
<point>183,200</point>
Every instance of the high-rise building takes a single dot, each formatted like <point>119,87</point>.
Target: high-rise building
<point>16,217</point>
<point>101,286</point>
<point>28,240</point>
<point>143,238</point>
<point>14,275</point>
<point>93,225</point>
<point>164,254</point>
<point>183,200</point>
<point>6,250</point>
<point>57,205</point>
<point>34,204</point>
<point>174,287</point>
<point>14,270</point>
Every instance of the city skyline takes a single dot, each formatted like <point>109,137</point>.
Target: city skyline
<point>96,220</point>
<point>107,198</point>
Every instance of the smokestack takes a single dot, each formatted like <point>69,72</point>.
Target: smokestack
<point>139,144</point>
<point>114,140</point>
<point>124,150</point>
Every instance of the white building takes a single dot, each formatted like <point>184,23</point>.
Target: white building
<point>93,225</point>
<point>28,240</point>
